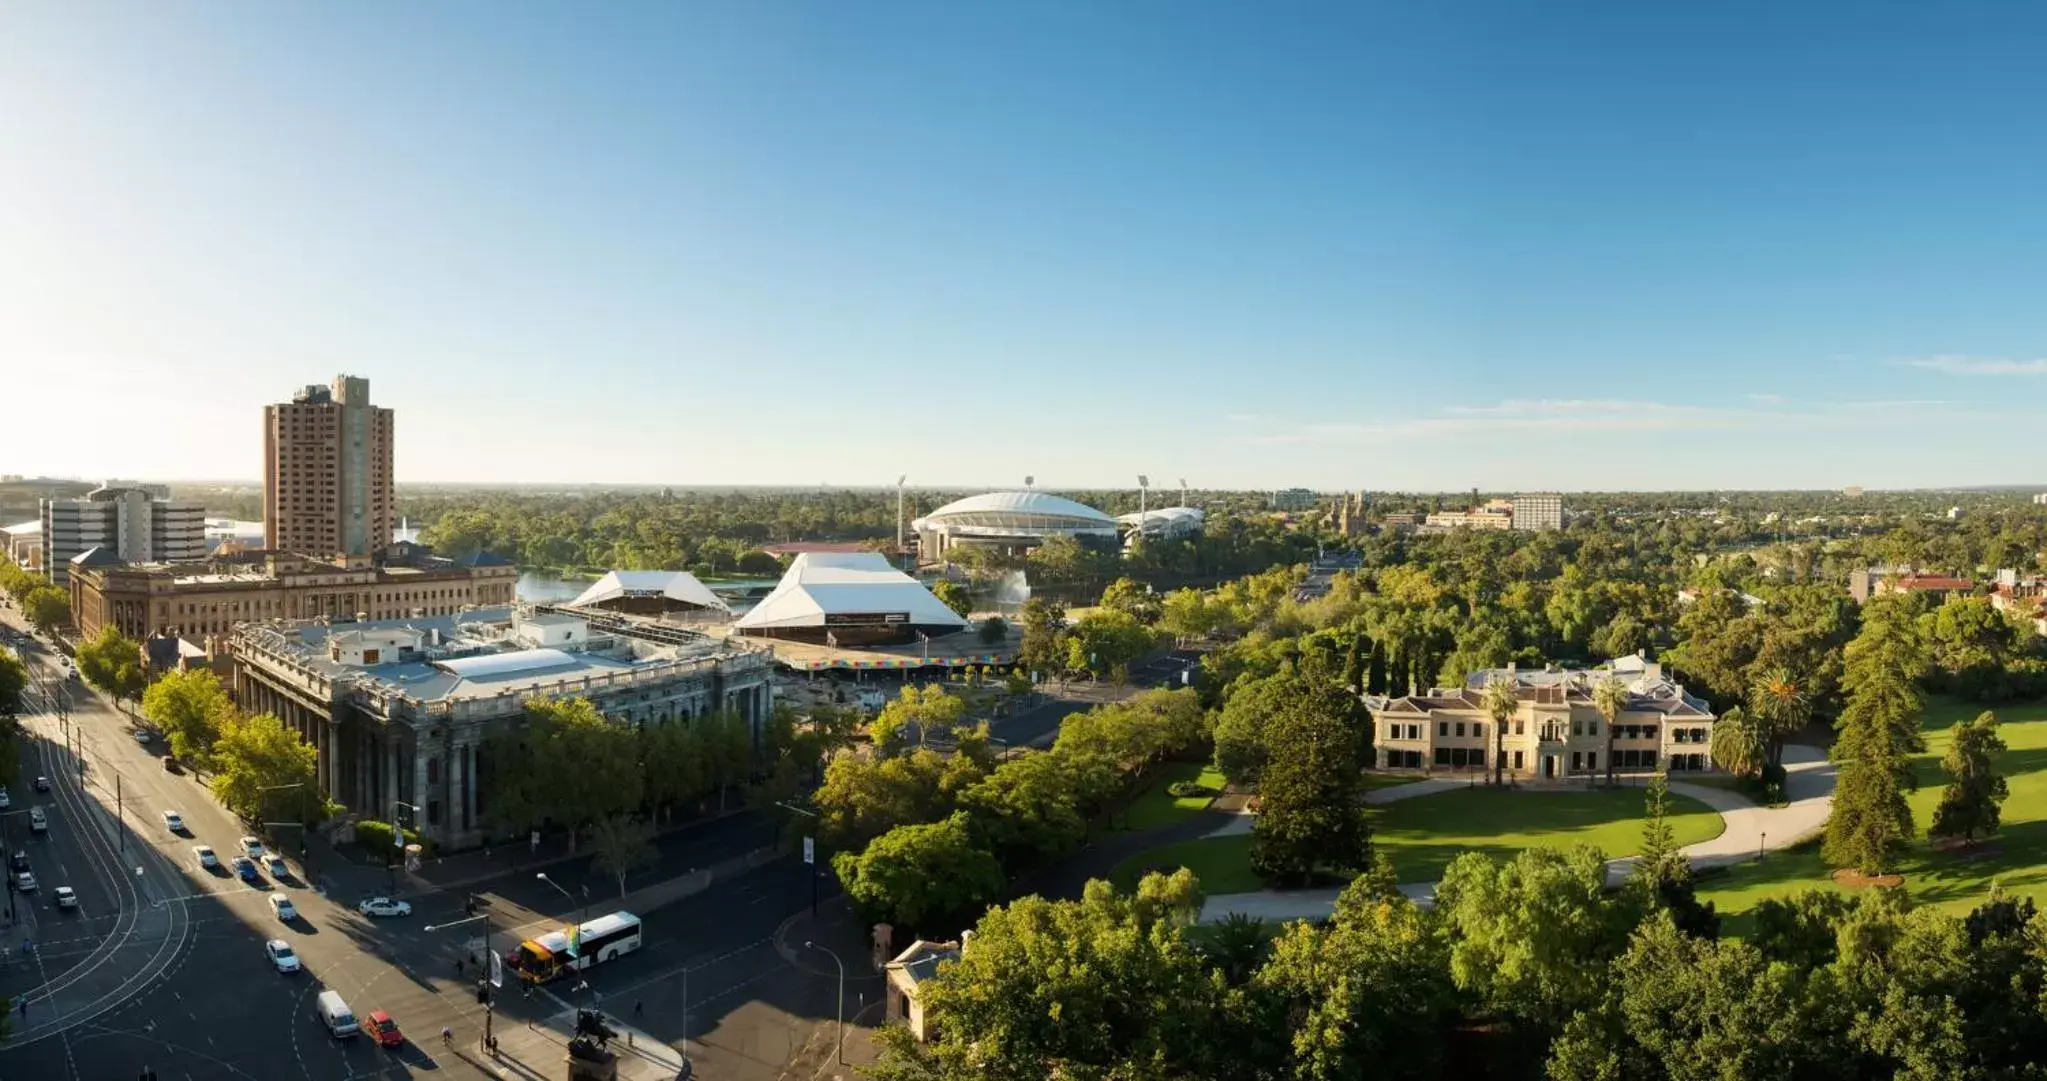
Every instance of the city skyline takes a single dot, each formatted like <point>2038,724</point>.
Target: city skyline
<point>746,246</point>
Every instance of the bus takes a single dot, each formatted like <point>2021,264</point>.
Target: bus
<point>538,960</point>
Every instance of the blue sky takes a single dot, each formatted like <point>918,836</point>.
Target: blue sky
<point>1508,245</point>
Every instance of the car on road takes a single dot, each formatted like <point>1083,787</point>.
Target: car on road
<point>204,854</point>
<point>281,956</point>
<point>25,881</point>
<point>42,783</point>
<point>142,735</point>
<point>66,898</point>
<point>275,865</point>
<point>252,848</point>
<point>6,800</point>
<point>174,822</point>
<point>38,820</point>
<point>384,1030</point>
<point>245,868</point>
<point>384,906</point>
<point>281,905</point>
<point>17,863</point>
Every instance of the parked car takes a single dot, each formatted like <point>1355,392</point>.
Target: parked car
<point>66,898</point>
<point>384,1030</point>
<point>281,956</point>
<point>384,906</point>
<point>142,735</point>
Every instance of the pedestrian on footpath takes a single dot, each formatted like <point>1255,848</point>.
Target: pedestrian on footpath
<point>447,1036</point>
<point>636,1007</point>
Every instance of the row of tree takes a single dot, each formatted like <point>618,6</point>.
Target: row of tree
<point>922,838</point>
<point>46,607</point>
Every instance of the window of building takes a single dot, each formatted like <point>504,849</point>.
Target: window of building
<point>1520,727</point>
<point>1577,761</point>
<point>1517,760</point>
<point>1442,756</point>
<point>433,771</point>
<point>1592,760</point>
<point>1442,728</point>
<point>1460,728</point>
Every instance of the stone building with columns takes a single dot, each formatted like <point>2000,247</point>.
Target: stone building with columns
<point>400,709</point>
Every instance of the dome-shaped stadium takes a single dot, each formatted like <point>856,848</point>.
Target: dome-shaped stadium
<point>1012,522</point>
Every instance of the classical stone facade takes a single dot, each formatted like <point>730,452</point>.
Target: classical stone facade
<point>400,710</point>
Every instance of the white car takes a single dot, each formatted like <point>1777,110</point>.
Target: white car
<point>38,822</point>
<point>142,735</point>
<point>252,848</point>
<point>174,822</point>
<point>384,906</point>
<point>25,881</point>
<point>281,905</point>
<point>281,955</point>
<point>66,898</point>
<point>6,800</point>
<point>204,854</point>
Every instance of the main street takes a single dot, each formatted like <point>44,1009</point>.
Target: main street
<point>165,968</point>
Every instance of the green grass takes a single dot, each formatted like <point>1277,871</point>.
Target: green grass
<point>1953,882</point>
<point>1154,807</point>
<point>1374,781</point>
<point>1423,834</point>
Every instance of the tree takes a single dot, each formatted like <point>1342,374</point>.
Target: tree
<point>1663,875</point>
<point>1043,626</point>
<point>861,799</point>
<point>1531,937</point>
<point>1103,643</point>
<point>1780,706</point>
<point>1610,697</point>
<point>760,564</point>
<point>1101,987</point>
<point>1311,809</point>
<point>1975,792</point>
<point>46,608</point>
<point>621,844</point>
<point>1370,996</point>
<point>112,662</point>
<point>1501,702</point>
<point>192,708</point>
<point>1737,745</point>
<point>915,715</point>
<point>566,763</point>
<point>921,877</point>
<point>1126,596</point>
<point>1237,945</point>
<point>13,681</point>
<point>675,764</point>
<point>1026,811</point>
<point>953,596</point>
<point>263,770</point>
<point>993,630</point>
<point>1878,732</point>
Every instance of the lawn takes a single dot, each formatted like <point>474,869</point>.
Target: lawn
<point>1423,834</point>
<point>1955,882</point>
<point>1154,807</point>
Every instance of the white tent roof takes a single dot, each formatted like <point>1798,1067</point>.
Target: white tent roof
<point>845,583</point>
<point>675,585</point>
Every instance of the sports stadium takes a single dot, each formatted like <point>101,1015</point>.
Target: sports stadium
<point>1010,522</point>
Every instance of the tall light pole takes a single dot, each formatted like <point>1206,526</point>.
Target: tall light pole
<point>582,916</point>
<point>899,513</point>
<point>1183,491</point>
<point>842,997</point>
<point>1143,490</point>
<point>490,961</point>
<point>809,849</point>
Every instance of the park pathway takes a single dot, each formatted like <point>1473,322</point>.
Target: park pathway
<point>1749,831</point>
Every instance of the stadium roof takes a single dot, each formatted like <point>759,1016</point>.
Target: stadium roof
<point>674,585</point>
<point>1008,514</point>
<point>819,584</point>
<point>1021,503</point>
<point>1166,519</point>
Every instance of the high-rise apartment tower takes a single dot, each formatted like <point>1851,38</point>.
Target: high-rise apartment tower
<point>327,471</point>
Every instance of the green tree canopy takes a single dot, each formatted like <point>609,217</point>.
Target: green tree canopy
<point>255,761</point>
<point>112,662</point>
<point>1973,802</point>
<point>193,709</point>
<point>921,878</point>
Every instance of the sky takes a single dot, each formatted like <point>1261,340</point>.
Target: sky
<point>1354,245</point>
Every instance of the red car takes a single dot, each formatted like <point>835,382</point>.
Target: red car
<point>384,1030</point>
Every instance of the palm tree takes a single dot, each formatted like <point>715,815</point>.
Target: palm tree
<point>1781,707</point>
<point>1237,946</point>
<point>1610,698</point>
<point>1737,745</point>
<point>1501,703</point>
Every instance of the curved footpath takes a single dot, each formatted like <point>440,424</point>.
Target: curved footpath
<point>1750,831</point>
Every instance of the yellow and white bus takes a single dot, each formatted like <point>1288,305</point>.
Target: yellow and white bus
<point>573,949</point>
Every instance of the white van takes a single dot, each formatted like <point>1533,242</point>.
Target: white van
<point>335,1014</point>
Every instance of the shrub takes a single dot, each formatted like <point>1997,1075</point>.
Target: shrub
<point>1189,790</point>
<point>376,836</point>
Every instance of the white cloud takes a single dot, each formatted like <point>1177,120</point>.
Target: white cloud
<point>1767,399</point>
<point>1978,366</point>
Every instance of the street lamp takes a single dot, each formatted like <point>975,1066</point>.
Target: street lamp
<point>490,964</point>
<point>842,996</point>
<point>581,917</point>
<point>398,836</point>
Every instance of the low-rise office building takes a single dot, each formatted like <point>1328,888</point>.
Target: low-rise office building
<point>401,709</point>
<point>1557,732</point>
<point>197,600</point>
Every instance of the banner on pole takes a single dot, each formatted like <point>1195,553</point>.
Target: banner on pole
<point>497,969</point>
<point>810,850</point>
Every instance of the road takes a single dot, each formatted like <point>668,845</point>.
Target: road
<point>164,967</point>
